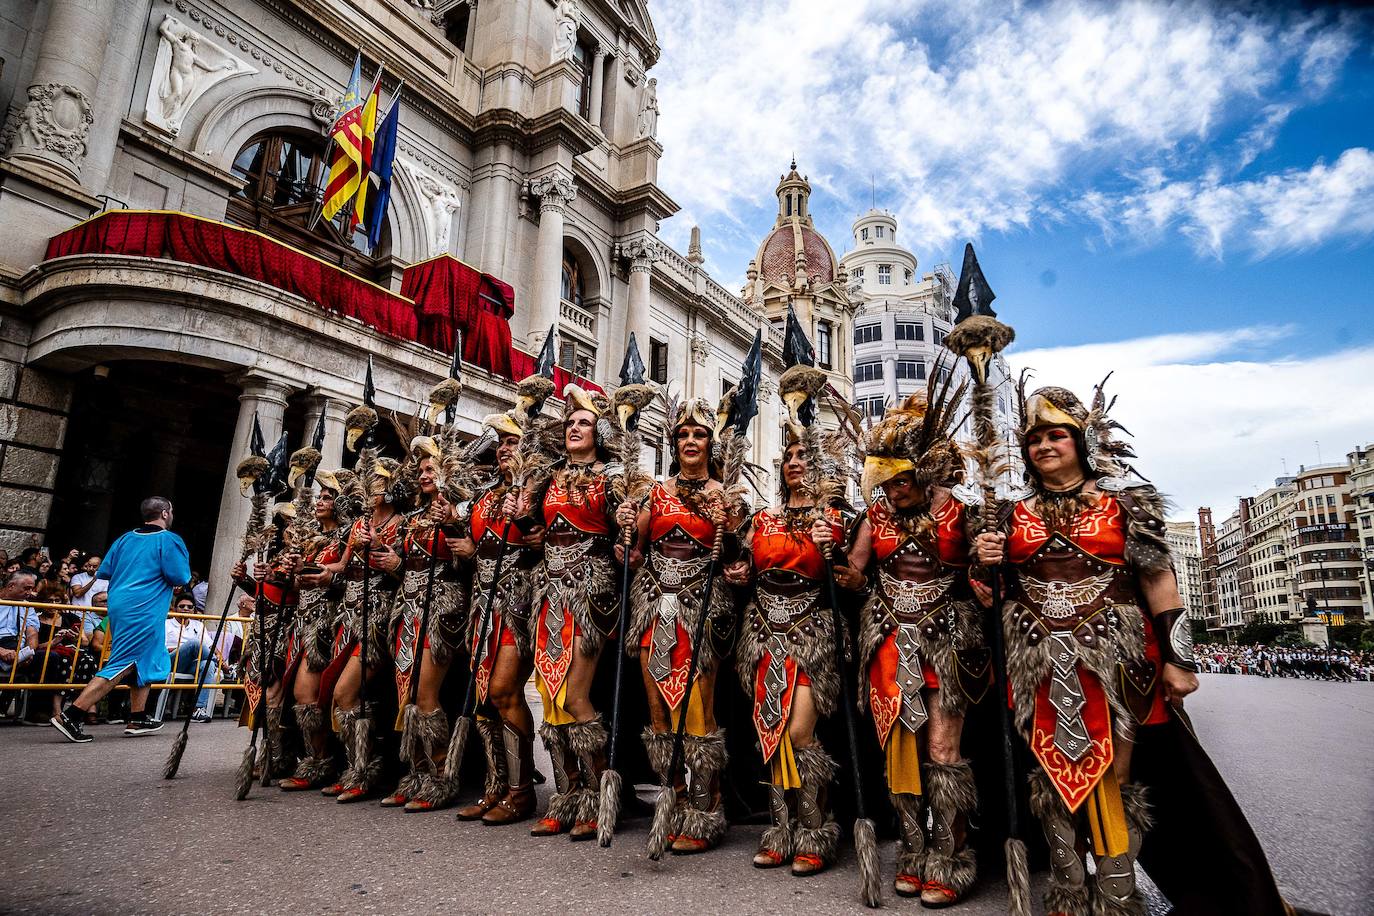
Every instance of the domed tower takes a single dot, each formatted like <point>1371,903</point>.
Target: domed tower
<point>796,264</point>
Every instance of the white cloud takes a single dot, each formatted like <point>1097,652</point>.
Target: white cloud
<point>1286,211</point>
<point>972,117</point>
<point>1213,421</point>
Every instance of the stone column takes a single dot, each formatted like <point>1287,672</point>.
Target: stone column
<point>55,123</point>
<point>555,191</point>
<point>890,380</point>
<point>334,412</point>
<point>598,84</point>
<point>643,254</point>
<point>265,397</point>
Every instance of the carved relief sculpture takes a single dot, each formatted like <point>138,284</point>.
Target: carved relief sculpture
<point>567,19</point>
<point>647,125</point>
<point>187,65</point>
<point>441,201</point>
<point>56,120</point>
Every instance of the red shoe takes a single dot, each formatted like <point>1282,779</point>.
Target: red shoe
<point>332,790</point>
<point>583,830</point>
<point>805,864</point>
<point>768,858</point>
<point>937,896</point>
<point>688,846</point>
<point>548,826</point>
<point>294,784</point>
<point>394,800</point>
<point>348,796</point>
<point>908,885</point>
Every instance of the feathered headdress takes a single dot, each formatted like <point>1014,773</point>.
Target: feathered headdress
<point>915,437</point>
<point>1099,451</point>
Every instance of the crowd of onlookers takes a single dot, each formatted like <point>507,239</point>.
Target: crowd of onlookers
<point>43,645</point>
<point>1278,661</point>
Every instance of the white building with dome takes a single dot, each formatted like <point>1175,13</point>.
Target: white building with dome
<point>900,321</point>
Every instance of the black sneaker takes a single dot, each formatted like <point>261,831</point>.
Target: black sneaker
<point>70,728</point>
<point>142,725</point>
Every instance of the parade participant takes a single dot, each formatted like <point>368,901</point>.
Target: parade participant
<point>431,598</point>
<point>272,585</point>
<point>143,567</point>
<point>371,565</point>
<point>1098,649</point>
<point>786,662</point>
<point>319,586</point>
<point>505,660</point>
<point>676,532</point>
<point>920,638</point>
<point>575,605</point>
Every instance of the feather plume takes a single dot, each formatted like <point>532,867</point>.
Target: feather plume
<point>663,819</point>
<point>608,812</point>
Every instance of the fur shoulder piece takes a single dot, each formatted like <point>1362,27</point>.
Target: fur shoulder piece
<point>1147,549</point>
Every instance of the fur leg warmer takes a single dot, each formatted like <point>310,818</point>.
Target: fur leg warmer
<point>703,818</point>
<point>1067,891</point>
<point>667,821</point>
<point>567,777</point>
<point>280,758</point>
<point>317,766</point>
<point>817,832</point>
<point>355,730</point>
<point>588,743</point>
<point>1114,890</point>
<point>494,745</point>
<point>426,737</point>
<point>953,797</point>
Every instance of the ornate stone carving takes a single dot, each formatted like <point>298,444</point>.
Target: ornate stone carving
<point>767,388</point>
<point>323,111</point>
<point>700,348</point>
<point>555,191</point>
<point>647,123</point>
<point>632,72</point>
<point>567,18</point>
<point>642,253</point>
<point>440,202</point>
<point>441,8</point>
<point>56,120</point>
<point>187,65</point>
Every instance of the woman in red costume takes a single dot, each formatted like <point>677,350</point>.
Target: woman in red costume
<point>677,530</point>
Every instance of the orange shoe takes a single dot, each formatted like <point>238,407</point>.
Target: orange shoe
<point>548,826</point>
<point>583,830</point>
<point>332,789</point>
<point>688,846</point>
<point>295,784</point>
<point>937,896</point>
<point>805,864</point>
<point>394,800</point>
<point>417,805</point>
<point>348,796</point>
<point>908,885</point>
<point>769,858</point>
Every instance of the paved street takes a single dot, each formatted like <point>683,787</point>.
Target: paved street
<point>95,829</point>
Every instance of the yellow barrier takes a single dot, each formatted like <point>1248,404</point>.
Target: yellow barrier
<point>29,616</point>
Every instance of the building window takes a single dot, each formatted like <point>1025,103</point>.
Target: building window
<point>456,27</point>
<point>868,333</point>
<point>863,234</point>
<point>725,385</point>
<point>571,288</point>
<point>872,407</point>
<point>577,357</point>
<point>823,344</point>
<point>658,361</point>
<point>911,330</point>
<point>939,336</point>
<point>906,276</point>
<point>858,273</point>
<point>283,179</point>
<point>868,372</point>
<point>878,230</point>
<point>884,274</point>
<point>582,57</point>
<point>911,368</point>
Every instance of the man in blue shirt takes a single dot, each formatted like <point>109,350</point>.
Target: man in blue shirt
<point>143,567</point>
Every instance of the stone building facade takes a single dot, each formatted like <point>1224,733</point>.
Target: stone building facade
<point>527,151</point>
<point>1186,551</point>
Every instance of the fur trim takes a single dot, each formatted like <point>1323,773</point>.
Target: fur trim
<point>814,653</point>
<point>939,650</point>
<point>494,745</point>
<point>448,601</point>
<point>436,789</point>
<point>453,760</point>
<point>1147,550</point>
<point>778,838</point>
<point>410,784</point>
<point>870,866</point>
<point>704,755</point>
<point>587,739</point>
<point>823,841</point>
<point>313,770</point>
<point>378,615</point>
<point>1069,899</point>
<point>659,747</point>
<point>815,766</point>
<point>957,872</point>
<point>1045,802</point>
<point>1104,905</point>
<point>1135,802</point>
<point>1018,877</point>
<point>646,599</point>
<point>423,735</point>
<point>667,814</point>
<point>702,825</point>
<point>911,834</point>
<point>951,787</point>
<point>355,730</point>
<point>563,806</point>
<point>608,809</point>
<point>590,592</point>
<point>1028,666</point>
<point>952,793</point>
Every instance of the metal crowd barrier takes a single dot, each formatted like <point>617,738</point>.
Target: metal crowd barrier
<point>28,614</point>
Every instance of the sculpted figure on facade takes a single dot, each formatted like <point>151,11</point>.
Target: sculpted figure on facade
<point>187,65</point>
<point>57,120</point>
<point>441,201</point>
<point>647,125</point>
<point>568,16</point>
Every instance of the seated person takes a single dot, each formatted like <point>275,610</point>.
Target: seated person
<point>191,650</point>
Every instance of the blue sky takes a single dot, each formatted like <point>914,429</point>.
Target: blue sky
<point>1183,192</point>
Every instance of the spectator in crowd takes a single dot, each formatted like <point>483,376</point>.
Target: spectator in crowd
<point>11,566</point>
<point>199,589</point>
<point>18,624</point>
<point>143,566</point>
<point>1330,664</point>
<point>191,650</point>
<point>85,587</point>
<point>58,658</point>
<point>29,558</point>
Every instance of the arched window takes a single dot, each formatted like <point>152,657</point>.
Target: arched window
<point>283,177</point>
<point>789,204</point>
<point>571,289</point>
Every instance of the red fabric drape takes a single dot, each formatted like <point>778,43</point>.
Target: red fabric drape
<point>449,294</point>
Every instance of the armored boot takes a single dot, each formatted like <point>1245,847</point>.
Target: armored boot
<point>498,783</point>
<point>567,780</point>
<point>911,844</point>
<point>817,836</point>
<point>1067,891</point>
<point>279,759</point>
<point>659,747</point>
<point>588,741</point>
<point>1114,891</point>
<point>430,744</point>
<point>318,765</point>
<point>775,846</point>
<point>364,767</point>
<point>703,818</point>
<point>950,867</point>
<point>410,783</point>
<point>518,802</point>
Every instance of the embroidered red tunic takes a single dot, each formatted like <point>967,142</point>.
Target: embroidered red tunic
<point>1098,535</point>
<point>488,524</point>
<point>679,541</point>
<point>951,558</point>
